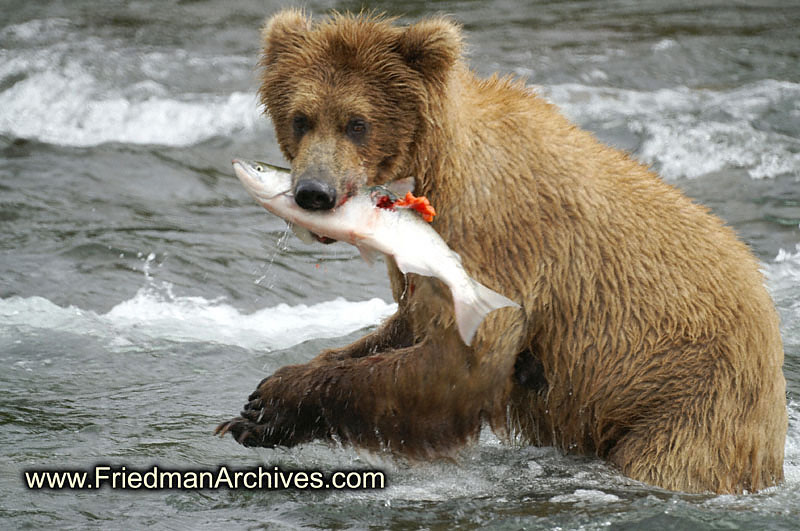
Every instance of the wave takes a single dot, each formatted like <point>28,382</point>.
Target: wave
<point>155,314</point>
<point>81,121</point>
<point>108,90</point>
<point>69,109</point>
<point>66,88</point>
<point>684,132</point>
<point>693,132</point>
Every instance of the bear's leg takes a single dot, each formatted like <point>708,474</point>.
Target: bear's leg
<point>392,334</point>
<point>421,401</point>
<point>706,445</point>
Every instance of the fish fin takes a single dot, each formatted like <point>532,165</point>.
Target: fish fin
<point>472,309</point>
<point>302,233</point>
<point>367,254</point>
<point>401,187</point>
<point>470,305</point>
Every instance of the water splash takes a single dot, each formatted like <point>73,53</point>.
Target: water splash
<point>155,313</point>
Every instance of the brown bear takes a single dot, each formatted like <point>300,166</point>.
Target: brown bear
<point>646,336</point>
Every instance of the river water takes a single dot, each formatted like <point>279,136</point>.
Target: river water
<point>143,294</point>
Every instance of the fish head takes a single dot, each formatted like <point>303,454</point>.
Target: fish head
<point>349,97</point>
<point>261,180</point>
<point>265,182</point>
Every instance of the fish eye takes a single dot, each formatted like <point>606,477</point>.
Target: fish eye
<point>259,168</point>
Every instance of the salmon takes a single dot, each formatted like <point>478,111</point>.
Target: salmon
<point>397,232</point>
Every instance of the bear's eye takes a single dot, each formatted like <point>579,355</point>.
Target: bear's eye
<point>300,125</point>
<point>356,130</point>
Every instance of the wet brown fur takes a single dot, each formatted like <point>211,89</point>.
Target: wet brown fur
<point>647,336</point>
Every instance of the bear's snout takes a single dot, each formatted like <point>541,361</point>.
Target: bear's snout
<point>313,194</point>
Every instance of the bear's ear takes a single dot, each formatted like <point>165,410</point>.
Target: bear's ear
<point>283,31</point>
<point>431,47</point>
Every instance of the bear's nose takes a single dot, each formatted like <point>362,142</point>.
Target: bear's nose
<point>314,195</point>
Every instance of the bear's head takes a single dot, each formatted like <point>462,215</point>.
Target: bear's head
<point>351,97</point>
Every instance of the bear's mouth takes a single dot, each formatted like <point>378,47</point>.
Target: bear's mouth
<point>351,191</point>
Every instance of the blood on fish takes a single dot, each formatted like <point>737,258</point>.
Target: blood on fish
<point>420,204</point>
<point>386,202</point>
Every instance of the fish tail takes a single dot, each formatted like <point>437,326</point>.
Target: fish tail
<point>472,308</point>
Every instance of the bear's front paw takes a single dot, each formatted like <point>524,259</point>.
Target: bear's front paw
<point>278,413</point>
<point>251,427</point>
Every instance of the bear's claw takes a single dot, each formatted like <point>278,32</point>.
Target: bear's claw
<point>249,428</point>
<point>273,415</point>
<point>244,431</point>
<point>255,403</point>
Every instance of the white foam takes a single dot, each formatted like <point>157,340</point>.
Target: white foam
<point>586,496</point>
<point>66,88</point>
<point>69,109</point>
<point>791,468</point>
<point>788,257</point>
<point>155,314</point>
<point>783,280</point>
<point>693,132</point>
<point>783,276</point>
<point>34,30</point>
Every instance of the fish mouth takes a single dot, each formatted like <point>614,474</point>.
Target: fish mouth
<point>322,239</point>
